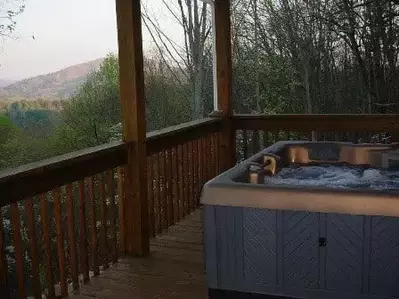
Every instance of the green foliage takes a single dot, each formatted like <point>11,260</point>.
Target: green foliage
<point>5,121</point>
<point>94,109</point>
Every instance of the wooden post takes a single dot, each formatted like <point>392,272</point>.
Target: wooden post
<point>224,82</point>
<point>135,206</point>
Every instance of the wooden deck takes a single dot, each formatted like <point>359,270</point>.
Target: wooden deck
<point>175,268</point>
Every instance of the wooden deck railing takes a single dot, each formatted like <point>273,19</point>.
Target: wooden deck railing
<point>254,132</point>
<point>180,160</point>
<point>58,224</point>
<point>61,219</point>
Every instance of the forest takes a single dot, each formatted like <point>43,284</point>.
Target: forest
<point>289,56</point>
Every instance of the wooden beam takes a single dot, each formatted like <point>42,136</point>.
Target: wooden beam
<point>135,213</point>
<point>224,81</point>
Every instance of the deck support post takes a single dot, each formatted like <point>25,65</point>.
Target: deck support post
<point>224,82</point>
<point>135,206</point>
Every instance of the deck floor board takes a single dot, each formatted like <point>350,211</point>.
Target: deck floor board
<point>174,269</point>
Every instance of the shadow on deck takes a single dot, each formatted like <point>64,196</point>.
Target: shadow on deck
<point>175,268</point>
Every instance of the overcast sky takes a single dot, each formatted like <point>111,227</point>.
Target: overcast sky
<point>66,32</point>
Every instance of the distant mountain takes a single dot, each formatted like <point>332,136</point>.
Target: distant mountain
<point>5,82</point>
<point>54,86</point>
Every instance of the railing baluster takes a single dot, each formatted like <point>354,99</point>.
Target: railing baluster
<point>93,225</point>
<point>286,136</point>
<point>47,246</point>
<point>180,181</point>
<point>84,257</point>
<point>4,291</point>
<point>185,179</point>
<point>209,158</point>
<point>218,151</point>
<point>60,241</point>
<point>103,213</point>
<point>72,237</point>
<point>203,157</point>
<point>213,164</point>
<point>150,194</point>
<point>19,257</point>
<point>112,214</point>
<point>195,173</point>
<point>255,141</point>
<point>175,193</point>
<point>157,193</point>
<point>169,190</point>
<point>191,176</point>
<point>200,161</point>
<point>164,220</point>
<point>245,143</point>
<point>30,218</point>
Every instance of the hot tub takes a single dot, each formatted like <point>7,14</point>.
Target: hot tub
<point>304,241</point>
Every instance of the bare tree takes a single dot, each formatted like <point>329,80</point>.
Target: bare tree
<point>187,60</point>
<point>9,9</point>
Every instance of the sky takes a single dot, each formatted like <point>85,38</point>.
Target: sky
<point>67,32</point>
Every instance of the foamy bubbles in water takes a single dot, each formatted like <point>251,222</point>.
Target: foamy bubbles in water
<point>342,177</point>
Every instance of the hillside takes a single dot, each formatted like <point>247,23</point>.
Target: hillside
<point>54,86</point>
<point>5,121</point>
<point>5,82</point>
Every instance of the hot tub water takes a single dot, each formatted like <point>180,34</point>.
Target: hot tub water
<point>333,176</point>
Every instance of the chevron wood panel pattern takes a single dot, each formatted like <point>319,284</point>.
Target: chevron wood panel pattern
<point>344,252</point>
<point>260,245</point>
<point>301,250</point>
<point>384,268</point>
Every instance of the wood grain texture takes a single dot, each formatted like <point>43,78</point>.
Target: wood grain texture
<point>33,249</point>
<point>162,190</point>
<point>169,188</point>
<point>83,254</point>
<point>4,290</point>
<point>103,213</point>
<point>43,176</point>
<point>112,215</point>
<point>150,194</point>
<point>131,72</point>
<point>73,256</point>
<point>157,193</point>
<point>224,80</point>
<point>176,135</point>
<point>121,210</point>
<point>180,180</point>
<point>175,193</point>
<point>60,241</point>
<point>191,176</point>
<point>174,270</point>
<point>17,242</point>
<point>93,228</point>
<point>47,246</point>
<point>196,172</point>
<point>186,179</point>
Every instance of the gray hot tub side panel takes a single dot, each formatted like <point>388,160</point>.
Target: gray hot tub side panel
<point>272,251</point>
<point>279,252</point>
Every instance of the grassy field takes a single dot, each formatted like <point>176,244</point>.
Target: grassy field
<point>5,121</point>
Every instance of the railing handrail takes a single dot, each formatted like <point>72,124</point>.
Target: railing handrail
<point>42,176</point>
<point>174,135</point>
<point>309,122</point>
<point>34,178</point>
